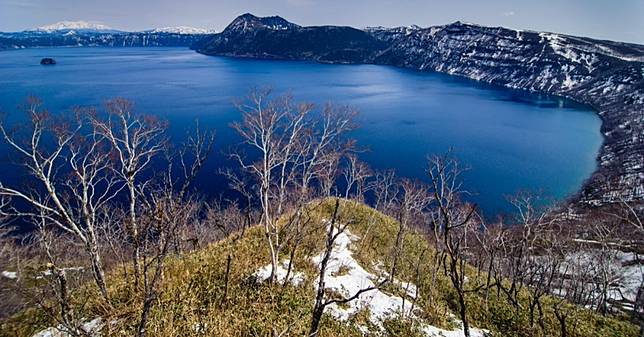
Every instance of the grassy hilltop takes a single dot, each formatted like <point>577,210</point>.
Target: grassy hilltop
<point>193,303</point>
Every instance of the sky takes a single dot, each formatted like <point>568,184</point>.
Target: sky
<point>620,20</point>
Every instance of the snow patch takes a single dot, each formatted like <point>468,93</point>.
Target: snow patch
<point>611,52</point>
<point>10,274</point>
<point>624,269</point>
<point>91,328</point>
<point>568,82</point>
<point>264,273</point>
<point>346,277</point>
<point>562,48</point>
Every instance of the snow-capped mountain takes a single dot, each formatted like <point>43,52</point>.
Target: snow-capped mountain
<point>607,75</point>
<point>74,25</point>
<point>87,34</point>
<point>187,30</point>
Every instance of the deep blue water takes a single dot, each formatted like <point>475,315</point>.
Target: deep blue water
<point>511,140</point>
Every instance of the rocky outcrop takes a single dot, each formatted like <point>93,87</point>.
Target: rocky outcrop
<point>609,76</point>
<point>47,61</point>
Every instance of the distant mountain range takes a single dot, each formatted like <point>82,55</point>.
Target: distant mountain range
<point>606,75</point>
<point>83,33</point>
<point>74,25</point>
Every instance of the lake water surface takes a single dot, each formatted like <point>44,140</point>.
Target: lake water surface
<point>511,140</point>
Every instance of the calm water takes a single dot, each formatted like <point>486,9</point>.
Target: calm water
<point>511,140</point>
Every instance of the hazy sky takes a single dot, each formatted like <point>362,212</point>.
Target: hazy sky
<point>610,19</point>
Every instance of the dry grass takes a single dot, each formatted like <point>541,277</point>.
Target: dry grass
<point>193,303</point>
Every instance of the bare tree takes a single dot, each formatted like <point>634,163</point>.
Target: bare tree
<point>50,148</point>
<point>385,190</point>
<point>163,216</point>
<point>414,199</point>
<point>192,156</point>
<point>334,230</point>
<point>292,147</point>
<point>606,263</point>
<point>272,129</point>
<point>451,220</point>
<point>166,210</point>
<point>355,174</point>
<point>329,172</point>
<point>135,141</point>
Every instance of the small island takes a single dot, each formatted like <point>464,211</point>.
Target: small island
<point>47,61</point>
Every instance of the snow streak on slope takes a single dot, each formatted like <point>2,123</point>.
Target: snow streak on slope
<point>294,278</point>
<point>345,276</point>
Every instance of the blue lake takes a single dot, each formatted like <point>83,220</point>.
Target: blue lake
<point>510,140</point>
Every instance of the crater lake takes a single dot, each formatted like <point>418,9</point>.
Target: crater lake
<point>510,140</point>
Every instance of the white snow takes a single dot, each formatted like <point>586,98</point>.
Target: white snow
<point>562,48</point>
<point>632,276</point>
<point>10,274</point>
<point>183,30</point>
<point>92,328</point>
<point>610,52</point>
<point>626,275</point>
<point>355,278</point>
<point>296,278</point>
<point>568,82</point>
<point>345,276</point>
<point>69,25</point>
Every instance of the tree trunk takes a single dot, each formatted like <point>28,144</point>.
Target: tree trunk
<point>136,254</point>
<point>229,261</point>
<point>463,312</point>
<point>318,308</point>
<point>562,322</point>
<point>147,305</point>
<point>97,271</point>
<point>396,251</point>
